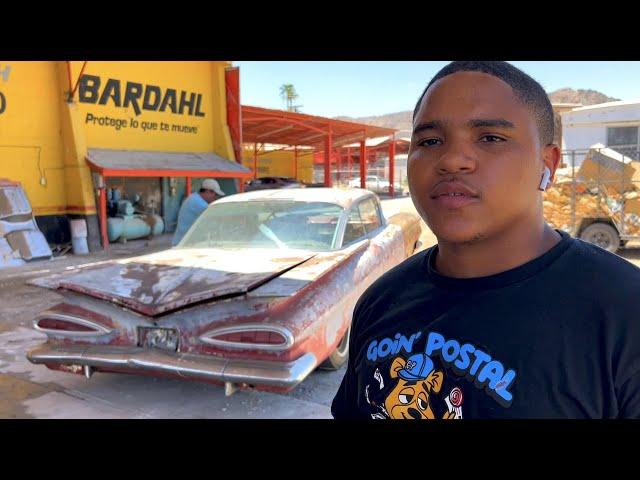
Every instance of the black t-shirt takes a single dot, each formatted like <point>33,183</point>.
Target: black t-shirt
<point>557,337</point>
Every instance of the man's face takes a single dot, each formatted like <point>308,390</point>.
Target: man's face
<point>208,196</point>
<point>475,160</point>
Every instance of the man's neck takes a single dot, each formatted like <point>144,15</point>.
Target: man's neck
<point>495,254</point>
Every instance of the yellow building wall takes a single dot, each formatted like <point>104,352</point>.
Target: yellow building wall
<point>111,121</point>
<point>31,143</point>
<point>43,139</point>
<point>281,163</point>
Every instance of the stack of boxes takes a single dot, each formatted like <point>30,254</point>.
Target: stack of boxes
<point>20,238</point>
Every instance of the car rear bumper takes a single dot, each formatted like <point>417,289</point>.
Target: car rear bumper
<point>194,367</point>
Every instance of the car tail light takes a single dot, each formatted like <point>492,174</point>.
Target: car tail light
<point>249,336</point>
<point>67,325</point>
<point>268,338</point>
<point>53,324</point>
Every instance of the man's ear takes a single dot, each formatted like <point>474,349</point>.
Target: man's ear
<point>551,157</point>
<point>435,380</point>
<point>397,365</point>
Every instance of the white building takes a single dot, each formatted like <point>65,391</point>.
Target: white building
<point>613,124</point>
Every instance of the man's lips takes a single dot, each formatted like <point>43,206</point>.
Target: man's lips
<point>453,189</point>
<point>454,194</point>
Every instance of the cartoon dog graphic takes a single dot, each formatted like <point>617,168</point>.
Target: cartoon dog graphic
<point>417,380</point>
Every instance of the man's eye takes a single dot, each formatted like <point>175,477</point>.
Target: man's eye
<point>422,404</point>
<point>405,398</point>
<point>491,139</point>
<point>429,142</point>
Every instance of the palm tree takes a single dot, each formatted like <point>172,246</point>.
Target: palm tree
<point>288,95</point>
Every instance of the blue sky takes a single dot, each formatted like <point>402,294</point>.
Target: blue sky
<point>361,89</point>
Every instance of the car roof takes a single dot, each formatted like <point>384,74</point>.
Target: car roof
<point>340,196</point>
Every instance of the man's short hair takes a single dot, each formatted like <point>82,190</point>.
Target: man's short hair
<point>529,92</point>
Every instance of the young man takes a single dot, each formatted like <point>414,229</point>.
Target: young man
<point>194,205</point>
<point>505,317</point>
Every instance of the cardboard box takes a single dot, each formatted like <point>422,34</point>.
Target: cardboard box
<point>30,243</point>
<point>607,167</point>
<point>13,201</point>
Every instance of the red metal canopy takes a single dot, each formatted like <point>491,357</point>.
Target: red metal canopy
<point>263,125</point>
<point>292,128</point>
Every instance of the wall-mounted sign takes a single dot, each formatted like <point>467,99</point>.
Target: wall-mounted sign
<point>139,96</point>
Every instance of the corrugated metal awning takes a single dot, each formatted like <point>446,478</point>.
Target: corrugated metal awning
<point>280,127</point>
<point>145,163</point>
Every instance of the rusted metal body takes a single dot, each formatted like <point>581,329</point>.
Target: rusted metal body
<point>210,298</point>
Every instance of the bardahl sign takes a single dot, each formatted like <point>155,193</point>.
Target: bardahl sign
<point>140,97</point>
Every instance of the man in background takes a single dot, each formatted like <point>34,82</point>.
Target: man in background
<point>194,205</point>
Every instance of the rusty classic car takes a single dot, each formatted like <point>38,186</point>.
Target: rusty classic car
<point>258,294</point>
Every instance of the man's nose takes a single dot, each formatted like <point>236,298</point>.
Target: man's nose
<point>456,159</point>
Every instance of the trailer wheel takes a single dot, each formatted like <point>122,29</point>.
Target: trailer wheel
<point>603,235</point>
<point>339,355</point>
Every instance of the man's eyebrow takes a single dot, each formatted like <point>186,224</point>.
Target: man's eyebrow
<point>490,122</point>
<point>473,123</point>
<point>427,126</point>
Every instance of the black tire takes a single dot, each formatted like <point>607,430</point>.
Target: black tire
<point>339,356</point>
<point>603,235</point>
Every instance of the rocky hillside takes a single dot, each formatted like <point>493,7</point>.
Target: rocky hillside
<point>585,97</point>
<point>402,120</point>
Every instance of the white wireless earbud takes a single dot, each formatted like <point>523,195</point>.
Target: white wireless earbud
<point>545,179</point>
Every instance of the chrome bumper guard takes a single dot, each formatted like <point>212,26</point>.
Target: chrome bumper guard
<point>194,367</point>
